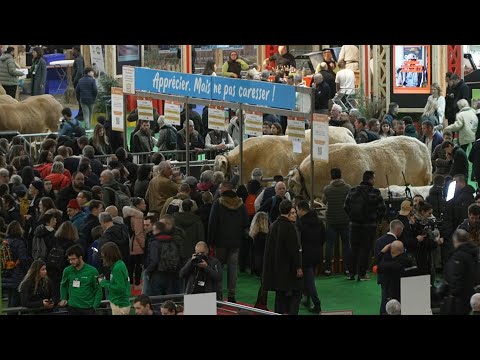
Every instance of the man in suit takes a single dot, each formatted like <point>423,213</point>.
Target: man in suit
<point>396,229</point>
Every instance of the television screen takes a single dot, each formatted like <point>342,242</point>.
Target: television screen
<point>411,69</point>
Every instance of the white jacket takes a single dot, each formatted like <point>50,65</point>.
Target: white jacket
<point>466,124</point>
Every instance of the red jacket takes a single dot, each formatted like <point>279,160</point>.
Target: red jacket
<point>59,181</point>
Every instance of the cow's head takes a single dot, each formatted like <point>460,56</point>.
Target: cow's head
<point>294,184</point>
<point>221,164</point>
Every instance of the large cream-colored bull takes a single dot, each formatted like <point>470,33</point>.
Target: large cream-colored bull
<point>33,115</point>
<point>273,154</point>
<point>389,157</point>
<point>7,99</point>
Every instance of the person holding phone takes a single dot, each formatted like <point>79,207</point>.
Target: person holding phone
<point>36,289</point>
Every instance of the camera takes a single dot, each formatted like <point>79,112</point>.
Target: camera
<point>197,259</point>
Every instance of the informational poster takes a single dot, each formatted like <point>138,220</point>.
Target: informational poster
<point>128,75</point>
<point>320,137</point>
<point>297,146</point>
<point>216,118</point>
<point>172,113</point>
<point>411,69</point>
<point>254,123</point>
<point>96,59</point>
<point>200,304</point>
<point>118,123</point>
<point>145,109</point>
<point>296,129</point>
<point>415,294</point>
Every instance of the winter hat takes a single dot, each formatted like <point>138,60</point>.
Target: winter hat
<point>73,204</point>
<point>37,184</point>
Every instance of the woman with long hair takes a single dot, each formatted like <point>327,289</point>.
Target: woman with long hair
<point>277,129</point>
<point>118,286</point>
<point>439,100</point>
<point>100,141</point>
<point>36,290</point>
<point>44,163</point>
<point>38,72</point>
<point>209,68</point>
<point>15,241</point>
<point>259,232</point>
<point>430,112</point>
<point>385,130</point>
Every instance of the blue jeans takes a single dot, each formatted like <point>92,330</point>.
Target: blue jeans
<point>310,288</point>
<point>332,234</point>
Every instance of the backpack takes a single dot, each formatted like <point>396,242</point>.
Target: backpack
<point>121,199</point>
<point>78,131</point>
<point>169,257</point>
<point>7,259</point>
<point>24,206</point>
<point>359,206</point>
<point>250,204</point>
<point>39,249</point>
<point>174,206</point>
<point>171,138</point>
<point>56,258</point>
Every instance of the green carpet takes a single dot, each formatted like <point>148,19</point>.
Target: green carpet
<point>335,292</point>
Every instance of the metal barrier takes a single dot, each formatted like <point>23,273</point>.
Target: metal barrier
<point>33,142</point>
<point>105,309</point>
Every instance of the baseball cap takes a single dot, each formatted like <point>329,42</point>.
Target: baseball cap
<point>405,208</point>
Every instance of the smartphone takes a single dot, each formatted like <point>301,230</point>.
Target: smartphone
<point>451,190</point>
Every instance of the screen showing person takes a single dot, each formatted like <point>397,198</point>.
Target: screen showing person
<point>411,69</point>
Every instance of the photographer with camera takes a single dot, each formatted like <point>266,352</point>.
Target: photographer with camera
<point>426,237</point>
<point>203,272</point>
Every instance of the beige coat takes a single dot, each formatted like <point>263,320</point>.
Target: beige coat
<point>466,124</point>
<point>136,221</point>
<point>159,190</point>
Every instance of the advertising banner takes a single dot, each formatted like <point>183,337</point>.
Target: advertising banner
<point>411,69</point>
<point>118,123</point>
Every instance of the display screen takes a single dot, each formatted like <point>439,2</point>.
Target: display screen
<point>411,69</point>
<point>128,52</point>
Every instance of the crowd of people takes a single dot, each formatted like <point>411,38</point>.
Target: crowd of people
<point>78,229</point>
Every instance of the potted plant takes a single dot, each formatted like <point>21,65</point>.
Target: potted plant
<point>102,104</point>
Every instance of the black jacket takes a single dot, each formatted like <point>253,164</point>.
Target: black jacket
<point>120,237</point>
<point>259,252</point>
<point>329,78</point>
<point>474,158</point>
<point>193,227</point>
<point>34,299</point>
<point>379,245</point>
<point>282,257</point>
<point>436,199</point>
<point>376,205</point>
<point>312,237</point>
<point>228,221</point>
<point>85,236</point>
<point>459,164</point>
<point>392,271</point>
<point>459,276</point>
<point>322,95</point>
<point>203,280</point>
<point>457,208</point>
